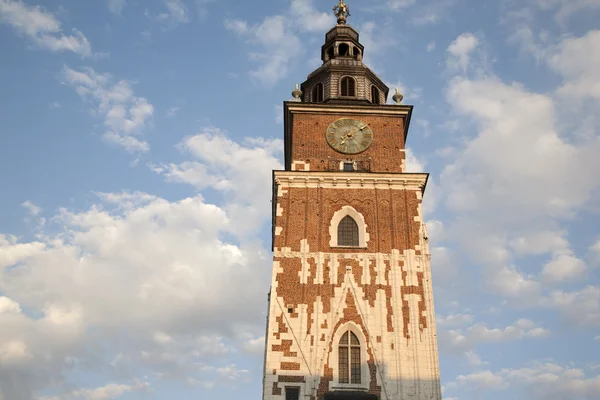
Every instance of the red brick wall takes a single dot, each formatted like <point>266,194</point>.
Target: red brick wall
<point>309,142</point>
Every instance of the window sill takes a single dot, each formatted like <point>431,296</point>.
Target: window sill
<point>351,387</point>
<point>349,247</point>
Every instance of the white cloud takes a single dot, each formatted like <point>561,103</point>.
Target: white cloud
<point>241,171</point>
<point>125,114</point>
<point>595,251</point>
<point>177,13</point>
<point>540,242</point>
<point>396,5</point>
<point>276,46</point>
<point>453,320</point>
<point>43,28</point>
<point>7,306</point>
<point>272,40</point>
<point>578,61</point>
<point>255,346</point>
<point>464,340</point>
<point>116,6</point>
<point>580,307</point>
<point>460,51</point>
<point>12,252</point>
<point>502,196</point>
<point>474,359</point>
<point>33,209</point>
<point>564,267</point>
<point>431,46</point>
<point>413,164</point>
<point>308,19</point>
<point>110,391</point>
<point>172,112</point>
<point>238,26</point>
<point>545,380</point>
<point>148,253</point>
<point>481,380</point>
<point>566,8</point>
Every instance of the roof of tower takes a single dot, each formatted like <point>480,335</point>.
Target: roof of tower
<point>343,78</point>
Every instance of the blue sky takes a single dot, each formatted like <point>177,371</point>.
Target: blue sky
<point>137,140</point>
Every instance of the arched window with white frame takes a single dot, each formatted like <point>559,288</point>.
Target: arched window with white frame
<point>349,358</point>
<point>348,228</point>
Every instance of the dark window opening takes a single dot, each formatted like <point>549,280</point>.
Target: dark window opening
<point>330,52</point>
<point>348,166</point>
<point>357,53</point>
<point>344,50</point>
<point>317,93</point>
<point>375,97</point>
<point>349,358</point>
<point>292,393</point>
<point>348,87</point>
<point>348,232</point>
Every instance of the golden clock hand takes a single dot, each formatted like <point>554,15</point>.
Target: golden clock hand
<point>356,130</point>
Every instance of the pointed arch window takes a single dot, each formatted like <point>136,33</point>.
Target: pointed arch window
<point>348,87</point>
<point>348,232</point>
<point>317,93</point>
<point>349,358</point>
<point>375,97</point>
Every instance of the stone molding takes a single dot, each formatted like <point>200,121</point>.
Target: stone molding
<point>363,235</point>
<point>350,180</point>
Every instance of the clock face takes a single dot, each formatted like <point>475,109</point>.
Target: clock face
<point>349,136</point>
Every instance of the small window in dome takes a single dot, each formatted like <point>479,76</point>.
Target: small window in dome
<point>317,93</point>
<point>348,87</point>
<point>375,97</point>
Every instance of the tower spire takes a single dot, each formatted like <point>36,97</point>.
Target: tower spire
<point>342,12</point>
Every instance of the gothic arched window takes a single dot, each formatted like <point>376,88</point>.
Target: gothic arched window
<point>349,358</point>
<point>375,99</point>
<point>348,87</point>
<point>348,232</point>
<point>317,93</point>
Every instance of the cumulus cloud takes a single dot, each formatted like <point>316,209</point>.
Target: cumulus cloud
<point>460,51</point>
<point>578,61</point>
<point>43,28</point>
<point>168,261</point>
<point>110,391</point>
<point>462,341</point>
<point>275,42</point>
<point>546,380</point>
<point>242,172</point>
<point>165,260</point>
<point>271,40</point>
<point>125,114</point>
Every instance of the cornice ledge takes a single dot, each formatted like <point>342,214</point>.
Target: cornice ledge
<point>341,180</point>
<point>383,109</point>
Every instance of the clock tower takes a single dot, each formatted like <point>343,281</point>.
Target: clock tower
<point>351,306</point>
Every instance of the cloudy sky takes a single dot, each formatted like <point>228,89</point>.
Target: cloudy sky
<point>137,139</point>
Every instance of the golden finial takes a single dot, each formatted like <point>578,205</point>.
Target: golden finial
<point>297,93</point>
<point>342,12</point>
<point>398,97</point>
